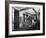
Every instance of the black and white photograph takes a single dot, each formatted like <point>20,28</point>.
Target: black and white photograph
<point>25,18</point>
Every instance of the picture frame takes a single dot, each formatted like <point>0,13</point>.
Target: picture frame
<point>33,14</point>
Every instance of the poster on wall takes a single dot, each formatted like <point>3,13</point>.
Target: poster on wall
<point>25,18</point>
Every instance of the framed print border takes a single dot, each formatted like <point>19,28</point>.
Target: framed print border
<point>7,18</point>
